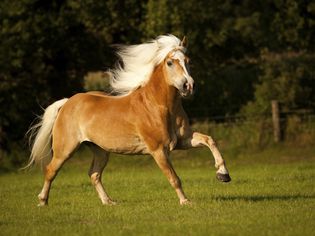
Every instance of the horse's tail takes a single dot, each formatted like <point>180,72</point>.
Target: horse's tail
<point>42,131</point>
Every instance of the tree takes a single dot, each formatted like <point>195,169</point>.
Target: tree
<point>287,78</point>
<point>46,49</point>
<point>48,46</point>
<point>228,38</point>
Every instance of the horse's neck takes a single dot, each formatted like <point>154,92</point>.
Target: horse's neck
<point>160,92</point>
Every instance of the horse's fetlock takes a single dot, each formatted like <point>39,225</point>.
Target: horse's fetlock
<point>43,200</point>
<point>220,165</point>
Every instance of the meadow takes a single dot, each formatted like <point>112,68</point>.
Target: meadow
<point>272,193</point>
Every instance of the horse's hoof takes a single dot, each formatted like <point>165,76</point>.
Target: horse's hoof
<point>112,203</point>
<point>109,202</point>
<point>223,177</point>
<point>42,204</point>
<point>185,202</point>
<point>42,201</point>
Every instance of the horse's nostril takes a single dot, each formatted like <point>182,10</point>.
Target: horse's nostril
<point>186,86</point>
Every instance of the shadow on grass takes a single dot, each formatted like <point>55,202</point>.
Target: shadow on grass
<point>264,198</point>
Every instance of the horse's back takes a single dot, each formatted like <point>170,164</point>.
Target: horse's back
<point>98,93</point>
<point>102,119</point>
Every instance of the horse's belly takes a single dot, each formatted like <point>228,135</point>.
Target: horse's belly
<point>123,145</point>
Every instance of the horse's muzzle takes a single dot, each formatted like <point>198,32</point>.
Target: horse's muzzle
<point>187,90</point>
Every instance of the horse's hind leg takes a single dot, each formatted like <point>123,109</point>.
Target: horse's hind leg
<point>99,162</point>
<point>61,153</point>
<point>50,173</point>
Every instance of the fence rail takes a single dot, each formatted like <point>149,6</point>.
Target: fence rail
<point>294,126</point>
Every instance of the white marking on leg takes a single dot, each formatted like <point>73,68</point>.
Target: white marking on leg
<point>199,139</point>
<point>43,195</point>
<point>222,170</point>
<point>98,164</point>
<point>96,181</point>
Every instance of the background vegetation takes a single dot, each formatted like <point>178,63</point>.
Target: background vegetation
<point>244,54</point>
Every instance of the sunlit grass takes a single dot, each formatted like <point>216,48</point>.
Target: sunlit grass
<point>267,197</point>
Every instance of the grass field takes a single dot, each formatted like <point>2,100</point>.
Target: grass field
<point>272,193</point>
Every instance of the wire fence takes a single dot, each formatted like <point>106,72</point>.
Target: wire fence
<point>305,116</point>
<point>258,130</point>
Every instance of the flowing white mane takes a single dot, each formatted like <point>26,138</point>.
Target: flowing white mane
<point>139,62</point>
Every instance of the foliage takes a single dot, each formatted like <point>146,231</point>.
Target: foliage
<point>256,133</point>
<point>97,81</point>
<point>300,131</point>
<point>47,47</point>
<point>288,78</point>
<point>227,40</point>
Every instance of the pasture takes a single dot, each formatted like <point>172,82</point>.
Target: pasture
<point>272,193</point>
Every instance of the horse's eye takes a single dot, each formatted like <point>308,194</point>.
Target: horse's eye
<point>169,63</point>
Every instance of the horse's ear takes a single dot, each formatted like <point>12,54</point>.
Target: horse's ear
<point>184,42</point>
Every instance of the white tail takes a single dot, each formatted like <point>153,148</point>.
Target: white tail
<point>41,148</point>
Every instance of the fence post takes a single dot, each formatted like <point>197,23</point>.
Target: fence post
<point>276,120</point>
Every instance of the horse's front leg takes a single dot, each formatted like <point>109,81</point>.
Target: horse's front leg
<point>199,140</point>
<point>162,160</point>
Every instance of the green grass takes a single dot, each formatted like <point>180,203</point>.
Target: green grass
<point>272,193</point>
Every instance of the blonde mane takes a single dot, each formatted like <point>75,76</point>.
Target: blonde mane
<point>139,61</point>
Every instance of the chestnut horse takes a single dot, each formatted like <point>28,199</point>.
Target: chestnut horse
<point>146,117</point>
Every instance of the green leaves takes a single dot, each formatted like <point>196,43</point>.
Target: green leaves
<point>47,47</point>
<point>288,78</point>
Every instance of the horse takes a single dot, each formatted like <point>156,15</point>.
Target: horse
<point>145,116</point>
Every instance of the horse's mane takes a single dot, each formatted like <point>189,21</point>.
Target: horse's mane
<point>139,61</point>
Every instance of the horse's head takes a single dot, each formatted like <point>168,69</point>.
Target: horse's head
<point>176,65</point>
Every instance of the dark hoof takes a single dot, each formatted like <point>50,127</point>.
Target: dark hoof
<point>223,177</point>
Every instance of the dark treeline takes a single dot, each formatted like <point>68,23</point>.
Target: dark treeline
<point>243,53</point>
